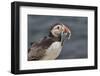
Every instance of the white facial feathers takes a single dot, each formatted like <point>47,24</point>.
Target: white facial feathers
<point>59,28</point>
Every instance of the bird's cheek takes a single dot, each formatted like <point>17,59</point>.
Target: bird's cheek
<point>56,31</point>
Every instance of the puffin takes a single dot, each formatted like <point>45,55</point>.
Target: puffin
<point>49,47</point>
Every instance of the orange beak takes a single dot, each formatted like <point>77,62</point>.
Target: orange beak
<point>66,29</point>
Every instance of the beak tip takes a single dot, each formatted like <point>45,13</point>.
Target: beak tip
<point>65,30</point>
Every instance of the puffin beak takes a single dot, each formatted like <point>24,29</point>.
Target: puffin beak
<point>67,32</point>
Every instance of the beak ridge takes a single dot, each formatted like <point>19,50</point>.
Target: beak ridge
<point>66,30</point>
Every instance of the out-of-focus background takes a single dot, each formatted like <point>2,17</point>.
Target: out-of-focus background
<point>76,47</point>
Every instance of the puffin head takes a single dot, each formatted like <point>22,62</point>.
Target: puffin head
<point>60,30</point>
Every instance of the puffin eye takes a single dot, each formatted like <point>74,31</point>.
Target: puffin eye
<point>58,27</point>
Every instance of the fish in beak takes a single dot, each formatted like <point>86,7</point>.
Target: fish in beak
<point>65,34</point>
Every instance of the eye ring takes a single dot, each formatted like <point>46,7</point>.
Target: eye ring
<point>58,27</point>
